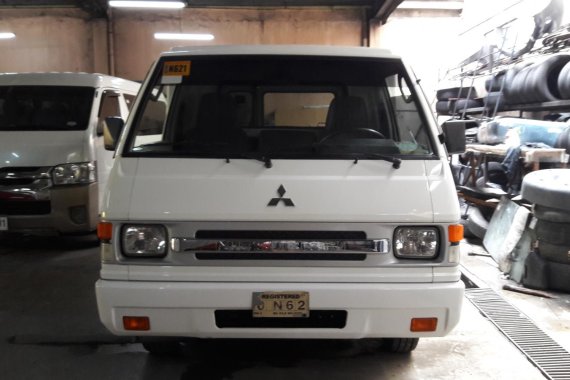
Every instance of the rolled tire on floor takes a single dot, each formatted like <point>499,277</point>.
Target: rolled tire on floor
<point>554,253</point>
<point>551,214</point>
<point>442,107</point>
<point>477,224</point>
<point>564,82</point>
<point>548,187</point>
<point>558,276</point>
<point>553,233</point>
<point>456,92</point>
<point>542,81</point>
<point>401,345</point>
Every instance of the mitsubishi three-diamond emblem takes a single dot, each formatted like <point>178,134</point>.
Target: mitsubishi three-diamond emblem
<point>275,201</point>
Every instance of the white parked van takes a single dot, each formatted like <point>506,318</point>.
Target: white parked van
<point>281,192</point>
<point>53,165</point>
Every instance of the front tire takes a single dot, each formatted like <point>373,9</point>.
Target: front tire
<point>167,348</point>
<point>401,345</point>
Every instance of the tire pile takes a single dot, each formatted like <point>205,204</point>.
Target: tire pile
<point>453,100</point>
<point>549,191</point>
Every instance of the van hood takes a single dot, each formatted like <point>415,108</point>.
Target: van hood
<point>41,148</point>
<point>164,189</point>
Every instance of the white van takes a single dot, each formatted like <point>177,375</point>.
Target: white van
<point>281,192</point>
<point>53,165</point>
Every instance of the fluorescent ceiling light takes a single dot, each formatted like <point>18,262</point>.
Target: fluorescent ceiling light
<point>435,5</point>
<point>184,36</point>
<point>7,36</point>
<point>148,4</point>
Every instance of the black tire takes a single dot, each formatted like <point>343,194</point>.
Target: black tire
<point>456,92</point>
<point>520,89</point>
<point>495,82</point>
<point>462,104</point>
<point>559,276</point>
<point>554,253</point>
<point>564,82</point>
<point>163,348</point>
<point>508,89</point>
<point>401,345</point>
<point>563,140</point>
<point>551,214</point>
<point>491,100</point>
<point>542,82</point>
<point>548,187</point>
<point>442,107</point>
<point>477,224</point>
<point>553,233</point>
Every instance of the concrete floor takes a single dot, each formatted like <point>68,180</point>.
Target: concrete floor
<point>49,329</point>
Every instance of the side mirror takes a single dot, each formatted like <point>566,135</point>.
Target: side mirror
<point>454,136</point>
<point>112,128</point>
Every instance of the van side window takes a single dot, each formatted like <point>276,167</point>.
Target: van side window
<point>109,107</point>
<point>150,127</point>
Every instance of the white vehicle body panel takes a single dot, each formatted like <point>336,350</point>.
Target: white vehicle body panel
<point>180,294</point>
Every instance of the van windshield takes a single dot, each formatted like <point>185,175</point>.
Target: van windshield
<point>279,107</point>
<point>45,108</point>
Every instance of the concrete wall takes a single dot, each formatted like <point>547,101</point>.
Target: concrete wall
<point>68,40</point>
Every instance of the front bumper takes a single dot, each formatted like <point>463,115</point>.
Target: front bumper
<point>79,200</point>
<point>187,309</point>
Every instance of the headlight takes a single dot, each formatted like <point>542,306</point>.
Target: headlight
<point>416,242</point>
<point>73,174</point>
<point>144,241</point>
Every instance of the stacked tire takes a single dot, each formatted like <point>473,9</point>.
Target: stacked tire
<point>549,191</point>
<point>544,81</point>
<point>453,100</point>
<point>494,86</point>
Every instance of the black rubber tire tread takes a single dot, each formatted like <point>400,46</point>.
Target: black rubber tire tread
<point>477,224</point>
<point>167,348</point>
<point>558,276</point>
<point>548,187</point>
<point>521,87</point>
<point>542,82</point>
<point>491,100</point>
<point>495,82</point>
<point>461,104</point>
<point>554,253</point>
<point>442,107</point>
<point>508,89</point>
<point>563,140</point>
<point>551,214</point>
<point>456,92</point>
<point>553,233</point>
<point>402,345</point>
<point>564,82</point>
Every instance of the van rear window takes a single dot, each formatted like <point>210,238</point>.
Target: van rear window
<point>45,108</point>
<point>279,107</point>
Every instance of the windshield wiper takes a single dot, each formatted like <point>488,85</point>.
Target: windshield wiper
<point>396,162</point>
<point>259,157</point>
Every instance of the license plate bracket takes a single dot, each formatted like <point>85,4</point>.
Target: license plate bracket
<point>290,304</point>
<point>3,223</point>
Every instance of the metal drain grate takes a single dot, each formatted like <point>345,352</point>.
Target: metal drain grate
<point>547,355</point>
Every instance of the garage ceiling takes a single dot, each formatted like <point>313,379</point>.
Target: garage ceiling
<point>376,9</point>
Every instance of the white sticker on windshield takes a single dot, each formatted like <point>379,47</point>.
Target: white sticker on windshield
<point>170,79</point>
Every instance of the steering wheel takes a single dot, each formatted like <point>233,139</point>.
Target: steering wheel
<point>368,131</point>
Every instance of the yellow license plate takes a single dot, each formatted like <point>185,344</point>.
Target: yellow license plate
<point>280,305</point>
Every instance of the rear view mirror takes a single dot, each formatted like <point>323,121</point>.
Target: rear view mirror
<point>454,136</point>
<point>113,126</point>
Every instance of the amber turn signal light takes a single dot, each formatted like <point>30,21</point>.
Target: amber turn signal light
<point>105,231</point>
<point>423,324</point>
<point>136,323</point>
<point>455,233</point>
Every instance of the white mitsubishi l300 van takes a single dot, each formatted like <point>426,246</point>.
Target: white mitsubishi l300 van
<point>280,192</point>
